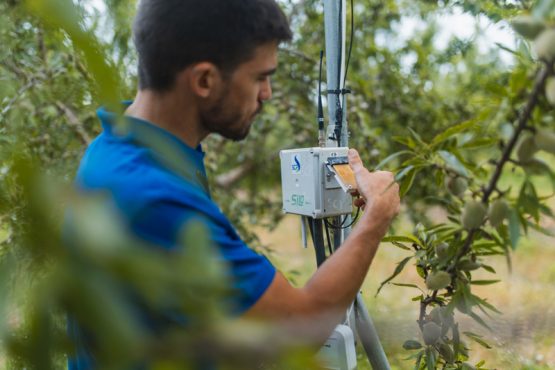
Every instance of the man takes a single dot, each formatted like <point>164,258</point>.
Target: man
<point>205,67</point>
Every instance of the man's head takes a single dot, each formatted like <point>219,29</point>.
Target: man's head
<point>171,35</point>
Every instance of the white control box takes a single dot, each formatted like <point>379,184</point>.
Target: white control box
<point>338,353</point>
<point>309,188</point>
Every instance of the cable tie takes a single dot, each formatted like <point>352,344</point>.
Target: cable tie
<point>339,92</point>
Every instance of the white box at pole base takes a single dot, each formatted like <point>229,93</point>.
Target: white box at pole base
<point>309,188</point>
<point>338,353</point>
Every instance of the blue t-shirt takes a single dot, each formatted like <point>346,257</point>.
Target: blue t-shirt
<point>157,183</point>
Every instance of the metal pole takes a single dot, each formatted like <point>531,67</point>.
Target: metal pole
<point>369,336</point>
<point>335,26</point>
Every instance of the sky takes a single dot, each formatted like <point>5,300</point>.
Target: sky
<point>450,23</point>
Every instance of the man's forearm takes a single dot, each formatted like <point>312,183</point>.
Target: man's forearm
<point>336,283</point>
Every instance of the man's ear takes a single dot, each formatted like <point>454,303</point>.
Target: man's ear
<point>203,79</point>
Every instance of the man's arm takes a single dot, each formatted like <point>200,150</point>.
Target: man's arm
<point>335,284</point>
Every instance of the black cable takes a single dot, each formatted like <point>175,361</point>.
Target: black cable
<point>339,109</point>
<point>330,249</point>
<point>354,219</point>
<point>331,225</point>
<point>350,43</point>
<point>320,107</point>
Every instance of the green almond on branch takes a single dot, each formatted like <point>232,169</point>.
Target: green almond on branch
<point>544,45</point>
<point>536,167</point>
<point>468,265</point>
<point>441,316</point>
<point>431,332</point>
<point>438,280</point>
<point>435,315</point>
<point>456,185</point>
<point>544,139</point>
<point>526,149</point>
<point>527,26</point>
<point>498,212</point>
<point>473,214</point>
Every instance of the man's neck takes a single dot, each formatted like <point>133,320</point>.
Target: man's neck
<point>170,112</point>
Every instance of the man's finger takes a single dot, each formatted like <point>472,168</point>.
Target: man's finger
<point>354,160</point>
<point>359,202</point>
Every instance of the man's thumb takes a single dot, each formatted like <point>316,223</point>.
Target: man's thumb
<point>354,160</point>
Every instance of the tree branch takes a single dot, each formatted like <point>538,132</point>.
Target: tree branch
<point>524,117</point>
<point>75,122</point>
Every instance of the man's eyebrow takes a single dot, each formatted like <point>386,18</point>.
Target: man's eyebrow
<point>268,72</point>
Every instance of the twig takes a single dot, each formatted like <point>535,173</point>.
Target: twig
<point>74,121</point>
<point>20,92</point>
<point>298,54</point>
<point>232,176</point>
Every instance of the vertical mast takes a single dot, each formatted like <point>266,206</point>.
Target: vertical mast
<point>335,16</point>
<point>335,25</point>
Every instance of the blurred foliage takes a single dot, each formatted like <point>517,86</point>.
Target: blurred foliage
<point>430,114</point>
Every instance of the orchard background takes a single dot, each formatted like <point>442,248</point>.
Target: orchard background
<point>462,125</point>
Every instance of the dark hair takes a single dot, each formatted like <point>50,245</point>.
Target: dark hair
<point>173,34</point>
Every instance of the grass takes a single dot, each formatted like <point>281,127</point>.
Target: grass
<point>523,337</point>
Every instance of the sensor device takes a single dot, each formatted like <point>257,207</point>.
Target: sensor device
<point>316,182</point>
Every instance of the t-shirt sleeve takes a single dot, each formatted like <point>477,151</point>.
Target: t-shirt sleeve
<point>161,222</point>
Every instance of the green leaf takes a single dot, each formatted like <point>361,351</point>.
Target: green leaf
<point>401,238</point>
<point>477,338</point>
<point>479,143</point>
<point>406,141</point>
<point>390,158</point>
<point>407,182</point>
<point>456,339</point>
<point>431,358</point>
<point>417,137</point>
<point>408,286</point>
<point>398,269</point>
<point>401,174</point>
<point>489,269</point>
<point>514,228</point>
<point>452,131</point>
<point>479,320</point>
<point>418,360</point>
<point>484,282</point>
<point>400,245</point>
<point>453,162</point>
<point>486,304</point>
<point>412,345</point>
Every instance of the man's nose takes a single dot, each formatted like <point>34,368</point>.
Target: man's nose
<point>265,90</point>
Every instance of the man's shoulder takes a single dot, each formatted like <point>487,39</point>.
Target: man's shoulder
<point>130,174</point>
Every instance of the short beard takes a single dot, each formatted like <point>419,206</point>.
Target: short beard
<point>215,120</point>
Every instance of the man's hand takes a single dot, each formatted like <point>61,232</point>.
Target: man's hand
<point>378,190</point>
